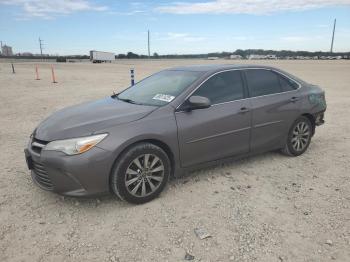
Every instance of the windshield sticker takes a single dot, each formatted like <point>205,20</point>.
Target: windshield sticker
<point>162,97</point>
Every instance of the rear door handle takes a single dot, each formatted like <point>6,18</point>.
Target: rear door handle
<point>294,99</point>
<point>244,110</point>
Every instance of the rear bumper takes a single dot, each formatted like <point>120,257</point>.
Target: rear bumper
<point>86,174</point>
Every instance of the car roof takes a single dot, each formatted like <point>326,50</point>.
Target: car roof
<point>218,67</point>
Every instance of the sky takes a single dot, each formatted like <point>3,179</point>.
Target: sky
<point>70,27</point>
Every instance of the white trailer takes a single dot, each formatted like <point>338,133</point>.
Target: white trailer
<point>101,57</point>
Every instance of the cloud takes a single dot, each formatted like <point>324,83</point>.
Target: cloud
<point>134,12</point>
<point>52,8</point>
<point>322,26</point>
<point>247,6</point>
<point>182,37</point>
<point>242,38</point>
<point>171,35</point>
<point>299,39</point>
<point>294,38</point>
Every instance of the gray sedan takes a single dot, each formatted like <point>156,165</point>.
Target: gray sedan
<point>176,120</point>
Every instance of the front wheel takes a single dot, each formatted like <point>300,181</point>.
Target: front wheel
<point>299,137</point>
<point>141,173</point>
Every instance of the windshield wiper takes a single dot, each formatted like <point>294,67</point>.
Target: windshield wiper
<point>114,95</point>
<point>127,100</point>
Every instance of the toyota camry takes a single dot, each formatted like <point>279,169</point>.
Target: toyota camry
<point>171,122</point>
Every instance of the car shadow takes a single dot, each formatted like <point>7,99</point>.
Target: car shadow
<point>224,169</point>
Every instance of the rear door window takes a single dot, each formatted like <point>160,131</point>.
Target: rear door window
<point>262,82</point>
<point>222,87</point>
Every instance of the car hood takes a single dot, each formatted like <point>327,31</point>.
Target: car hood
<point>88,118</point>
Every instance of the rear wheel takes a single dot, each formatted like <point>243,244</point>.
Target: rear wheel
<point>141,173</point>
<point>299,137</point>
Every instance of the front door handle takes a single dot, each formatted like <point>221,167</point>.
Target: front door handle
<point>294,99</point>
<point>244,110</point>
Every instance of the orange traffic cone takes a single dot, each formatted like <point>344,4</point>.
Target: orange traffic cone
<point>53,75</point>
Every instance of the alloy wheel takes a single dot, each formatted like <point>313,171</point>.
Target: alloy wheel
<point>301,136</point>
<point>144,175</point>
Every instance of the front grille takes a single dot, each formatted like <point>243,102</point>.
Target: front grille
<point>41,176</point>
<point>38,145</point>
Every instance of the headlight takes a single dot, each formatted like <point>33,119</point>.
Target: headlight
<point>75,146</point>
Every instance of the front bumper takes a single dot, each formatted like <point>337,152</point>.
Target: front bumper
<point>319,118</point>
<point>78,175</point>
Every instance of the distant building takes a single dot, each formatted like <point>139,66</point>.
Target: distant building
<point>25,54</point>
<point>6,50</point>
<point>235,57</point>
<point>257,57</point>
<point>41,55</point>
<point>271,56</point>
<point>254,57</point>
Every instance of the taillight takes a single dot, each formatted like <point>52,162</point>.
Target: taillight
<point>318,99</point>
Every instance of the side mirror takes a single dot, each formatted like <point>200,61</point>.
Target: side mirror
<point>197,102</point>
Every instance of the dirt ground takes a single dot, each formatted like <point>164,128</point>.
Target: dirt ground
<point>264,208</point>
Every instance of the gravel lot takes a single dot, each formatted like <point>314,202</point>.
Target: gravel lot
<point>264,208</point>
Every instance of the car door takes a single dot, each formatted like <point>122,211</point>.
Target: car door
<point>275,105</point>
<point>221,130</point>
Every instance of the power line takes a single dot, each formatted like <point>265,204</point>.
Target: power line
<point>335,22</point>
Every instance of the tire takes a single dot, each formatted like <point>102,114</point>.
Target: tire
<point>292,148</point>
<point>141,173</point>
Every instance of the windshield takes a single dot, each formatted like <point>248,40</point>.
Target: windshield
<point>159,89</point>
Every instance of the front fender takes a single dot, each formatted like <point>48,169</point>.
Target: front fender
<point>160,126</point>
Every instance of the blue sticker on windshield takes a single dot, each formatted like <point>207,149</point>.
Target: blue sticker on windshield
<point>162,97</point>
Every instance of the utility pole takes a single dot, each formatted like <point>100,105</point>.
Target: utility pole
<point>335,22</point>
<point>149,49</point>
<point>41,47</point>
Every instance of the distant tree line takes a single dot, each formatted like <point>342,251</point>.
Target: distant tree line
<point>46,56</point>
<point>131,55</point>
<point>285,53</point>
<point>244,53</point>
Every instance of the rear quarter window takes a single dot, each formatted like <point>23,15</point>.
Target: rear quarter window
<point>287,84</point>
